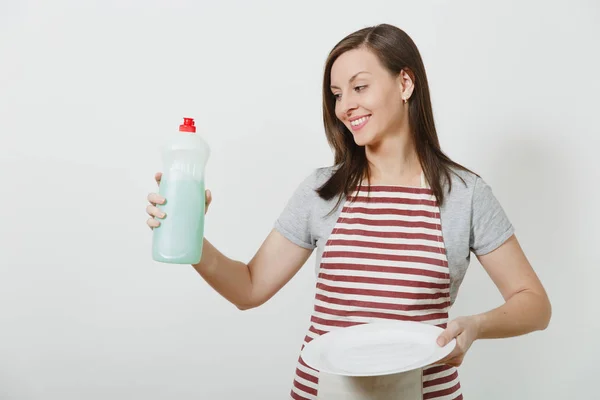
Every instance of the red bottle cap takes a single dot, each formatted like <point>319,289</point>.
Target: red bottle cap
<point>188,125</point>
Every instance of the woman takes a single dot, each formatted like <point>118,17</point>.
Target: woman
<point>393,220</point>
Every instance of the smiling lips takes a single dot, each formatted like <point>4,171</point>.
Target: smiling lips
<point>358,123</point>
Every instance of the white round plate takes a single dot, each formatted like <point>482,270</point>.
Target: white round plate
<point>375,349</point>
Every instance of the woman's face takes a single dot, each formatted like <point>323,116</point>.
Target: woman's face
<point>368,97</point>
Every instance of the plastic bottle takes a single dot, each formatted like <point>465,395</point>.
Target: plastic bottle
<point>179,238</point>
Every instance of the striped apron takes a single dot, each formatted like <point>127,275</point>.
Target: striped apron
<point>384,260</point>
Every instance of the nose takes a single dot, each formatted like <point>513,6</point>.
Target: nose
<point>348,105</point>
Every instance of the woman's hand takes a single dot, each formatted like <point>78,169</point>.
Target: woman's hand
<point>465,330</point>
<point>155,199</point>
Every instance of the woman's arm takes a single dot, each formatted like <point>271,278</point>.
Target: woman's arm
<point>250,285</point>
<point>526,308</point>
<point>246,286</point>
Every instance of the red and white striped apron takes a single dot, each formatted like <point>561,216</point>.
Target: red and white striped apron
<point>385,259</point>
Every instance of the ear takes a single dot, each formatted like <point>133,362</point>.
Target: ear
<point>406,83</point>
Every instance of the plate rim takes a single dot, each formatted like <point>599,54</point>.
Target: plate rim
<point>447,349</point>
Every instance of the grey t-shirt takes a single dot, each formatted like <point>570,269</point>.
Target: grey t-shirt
<point>472,220</point>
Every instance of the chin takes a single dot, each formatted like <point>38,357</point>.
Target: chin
<point>363,139</point>
<point>360,142</point>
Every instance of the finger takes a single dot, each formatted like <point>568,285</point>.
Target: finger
<point>152,223</point>
<point>208,198</point>
<point>452,330</point>
<point>158,177</point>
<point>154,212</point>
<point>451,358</point>
<point>455,361</point>
<point>155,198</point>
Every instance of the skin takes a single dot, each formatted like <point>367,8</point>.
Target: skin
<point>363,87</point>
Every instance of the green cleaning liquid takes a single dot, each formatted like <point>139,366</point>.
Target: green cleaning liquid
<point>179,238</point>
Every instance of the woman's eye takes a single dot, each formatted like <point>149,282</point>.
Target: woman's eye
<point>338,96</point>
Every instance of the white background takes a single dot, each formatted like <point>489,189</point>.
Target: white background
<point>88,90</point>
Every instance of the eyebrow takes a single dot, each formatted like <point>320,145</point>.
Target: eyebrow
<point>351,79</point>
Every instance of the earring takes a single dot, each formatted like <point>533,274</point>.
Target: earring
<point>405,100</point>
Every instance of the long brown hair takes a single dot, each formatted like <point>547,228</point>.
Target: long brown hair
<point>397,52</point>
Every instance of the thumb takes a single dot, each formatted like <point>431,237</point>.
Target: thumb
<point>451,331</point>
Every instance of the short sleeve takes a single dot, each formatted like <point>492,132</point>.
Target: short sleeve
<point>294,222</point>
<point>490,226</point>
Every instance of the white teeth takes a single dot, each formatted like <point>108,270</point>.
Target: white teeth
<point>359,121</point>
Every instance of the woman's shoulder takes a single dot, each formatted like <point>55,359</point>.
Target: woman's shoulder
<point>464,184</point>
<point>468,191</point>
<point>318,176</point>
<point>306,191</point>
<point>473,213</point>
<point>465,189</point>
<point>463,178</point>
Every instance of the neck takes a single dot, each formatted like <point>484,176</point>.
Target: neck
<point>394,161</point>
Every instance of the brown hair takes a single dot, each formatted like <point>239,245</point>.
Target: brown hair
<point>396,51</point>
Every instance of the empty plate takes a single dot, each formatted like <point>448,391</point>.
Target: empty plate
<point>378,348</point>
